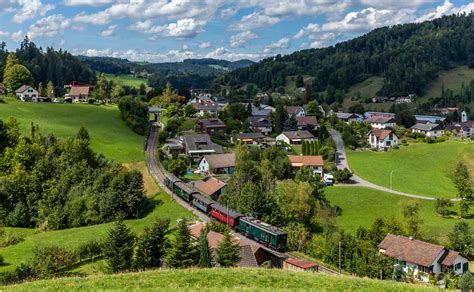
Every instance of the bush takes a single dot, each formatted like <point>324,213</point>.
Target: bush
<point>135,114</point>
<point>395,147</point>
<point>429,140</point>
<point>342,175</point>
<point>11,239</point>
<point>466,282</point>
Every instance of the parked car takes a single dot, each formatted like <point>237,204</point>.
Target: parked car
<point>328,179</point>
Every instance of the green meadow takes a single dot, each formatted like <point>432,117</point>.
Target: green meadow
<point>126,80</point>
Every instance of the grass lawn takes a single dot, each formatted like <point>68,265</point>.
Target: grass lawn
<point>109,134</point>
<point>451,79</point>
<point>125,79</point>
<point>71,238</point>
<point>367,88</point>
<point>218,280</point>
<point>361,206</point>
<point>420,168</point>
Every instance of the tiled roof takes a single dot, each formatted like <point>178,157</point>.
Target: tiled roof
<point>205,106</point>
<point>79,91</point>
<point>301,263</point>
<point>410,250</point>
<point>209,186</point>
<point>201,142</point>
<point>380,120</point>
<point>306,160</point>
<point>293,110</point>
<point>426,127</point>
<point>260,122</point>
<point>220,160</point>
<point>298,135</point>
<point>213,122</point>
<point>345,116</point>
<point>22,89</point>
<point>306,121</point>
<point>380,133</point>
<point>247,257</point>
<point>250,135</point>
<point>449,258</point>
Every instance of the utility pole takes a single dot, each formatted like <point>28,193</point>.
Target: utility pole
<point>339,257</point>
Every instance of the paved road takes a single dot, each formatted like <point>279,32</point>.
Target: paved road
<point>342,163</point>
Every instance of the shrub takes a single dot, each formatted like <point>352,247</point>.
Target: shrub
<point>342,175</point>
<point>396,147</point>
<point>429,140</point>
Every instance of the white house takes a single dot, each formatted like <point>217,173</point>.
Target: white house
<point>295,137</point>
<point>218,163</point>
<point>422,258</point>
<point>296,111</point>
<point>26,93</point>
<point>382,138</point>
<point>429,129</point>
<point>260,125</point>
<point>316,163</point>
<point>379,122</point>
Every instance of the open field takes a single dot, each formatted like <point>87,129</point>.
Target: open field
<point>451,79</point>
<point>71,238</point>
<point>367,88</point>
<point>420,168</point>
<point>361,206</point>
<point>109,134</point>
<point>218,280</point>
<point>126,80</point>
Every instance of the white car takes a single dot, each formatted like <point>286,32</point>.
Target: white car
<point>328,179</point>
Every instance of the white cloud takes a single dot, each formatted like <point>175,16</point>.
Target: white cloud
<point>99,18</point>
<point>17,36</point>
<point>86,2</point>
<point>239,40</point>
<point>445,9</point>
<point>49,26</point>
<point>29,9</point>
<point>309,29</point>
<point>224,54</point>
<point>399,4</point>
<point>204,45</point>
<point>253,21</point>
<point>183,28</point>
<point>109,31</point>
<point>283,43</point>
<point>323,40</point>
<point>4,34</point>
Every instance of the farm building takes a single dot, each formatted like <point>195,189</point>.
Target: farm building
<point>211,187</point>
<point>309,123</point>
<point>299,265</point>
<point>421,257</point>
<point>314,162</point>
<point>218,163</point>
<point>3,90</point>
<point>26,93</point>
<point>382,138</point>
<point>261,125</point>
<point>198,145</point>
<point>349,118</point>
<point>210,126</point>
<point>430,130</point>
<point>295,137</point>
<point>79,94</point>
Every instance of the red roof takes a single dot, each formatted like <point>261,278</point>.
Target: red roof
<point>210,186</point>
<point>381,133</point>
<point>301,263</point>
<point>305,160</point>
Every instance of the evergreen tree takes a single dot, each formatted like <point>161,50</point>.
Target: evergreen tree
<point>50,90</point>
<point>183,252</point>
<point>151,245</point>
<point>205,257</point>
<point>41,90</point>
<point>303,148</point>
<point>227,252</point>
<point>461,239</point>
<point>118,247</point>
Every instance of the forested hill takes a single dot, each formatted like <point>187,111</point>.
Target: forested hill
<point>407,56</point>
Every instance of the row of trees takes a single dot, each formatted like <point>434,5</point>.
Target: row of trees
<point>57,183</point>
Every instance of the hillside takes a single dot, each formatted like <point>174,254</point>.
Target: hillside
<point>408,57</point>
<point>217,279</point>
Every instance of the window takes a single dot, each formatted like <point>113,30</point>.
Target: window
<point>457,266</point>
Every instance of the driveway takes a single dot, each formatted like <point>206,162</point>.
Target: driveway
<point>357,181</point>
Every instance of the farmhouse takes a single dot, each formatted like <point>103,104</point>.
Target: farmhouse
<point>198,145</point>
<point>26,93</point>
<point>78,94</point>
<point>295,137</point>
<point>211,187</point>
<point>348,117</point>
<point>430,130</point>
<point>381,122</point>
<point>2,89</point>
<point>309,123</point>
<point>421,257</point>
<point>210,126</point>
<point>382,138</point>
<point>248,138</point>
<point>218,163</point>
<point>299,265</point>
<point>261,125</point>
<point>295,111</point>
<point>316,163</point>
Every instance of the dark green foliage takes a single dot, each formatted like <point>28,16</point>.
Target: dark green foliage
<point>342,175</point>
<point>461,240</point>
<point>177,166</point>
<point>462,181</point>
<point>89,250</point>
<point>62,183</point>
<point>135,114</point>
<point>205,256</point>
<point>118,247</point>
<point>151,245</point>
<point>466,283</point>
<point>442,206</point>
<point>183,252</point>
<point>227,252</point>
<point>411,214</point>
<point>279,118</point>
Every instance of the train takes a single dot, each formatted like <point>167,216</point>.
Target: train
<point>266,234</point>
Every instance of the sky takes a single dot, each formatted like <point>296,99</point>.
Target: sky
<point>173,30</point>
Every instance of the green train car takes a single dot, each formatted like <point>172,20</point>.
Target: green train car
<point>264,233</point>
<point>184,191</point>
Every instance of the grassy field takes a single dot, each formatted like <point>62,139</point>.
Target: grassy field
<point>452,79</point>
<point>361,206</point>
<point>367,88</point>
<point>218,280</point>
<point>420,168</point>
<point>71,238</point>
<point>151,187</point>
<point>109,134</point>
<point>126,80</point>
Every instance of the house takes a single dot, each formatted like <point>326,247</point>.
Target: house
<point>78,94</point>
<point>295,111</point>
<point>380,99</point>
<point>260,125</point>
<point>3,90</point>
<point>444,111</point>
<point>295,137</point>
<point>173,147</point>
<point>404,99</point>
<point>422,119</point>
<point>218,163</point>
<point>205,108</point>
<point>309,123</point>
<point>248,138</point>
<point>429,129</point>
<point>198,145</point>
<point>210,126</point>
<point>26,93</point>
<point>463,129</point>
<point>382,138</point>
<point>314,162</point>
<point>261,110</point>
<point>421,257</point>
<point>381,122</point>
<point>348,117</point>
<point>211,187</point>
<point>299,265</point>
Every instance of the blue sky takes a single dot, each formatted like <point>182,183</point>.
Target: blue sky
<point>173,30</point>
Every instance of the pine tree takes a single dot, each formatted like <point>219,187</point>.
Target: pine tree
<point>118,247</point>
<point>41,89</point>
<point>50,90</point>
<point>303,147</point>
<point>151,245</point>
<point>227,252</point>
<point>205,257</point>
<point>183,252</point>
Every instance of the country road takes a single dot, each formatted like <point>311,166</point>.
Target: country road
<point>342,163</point>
